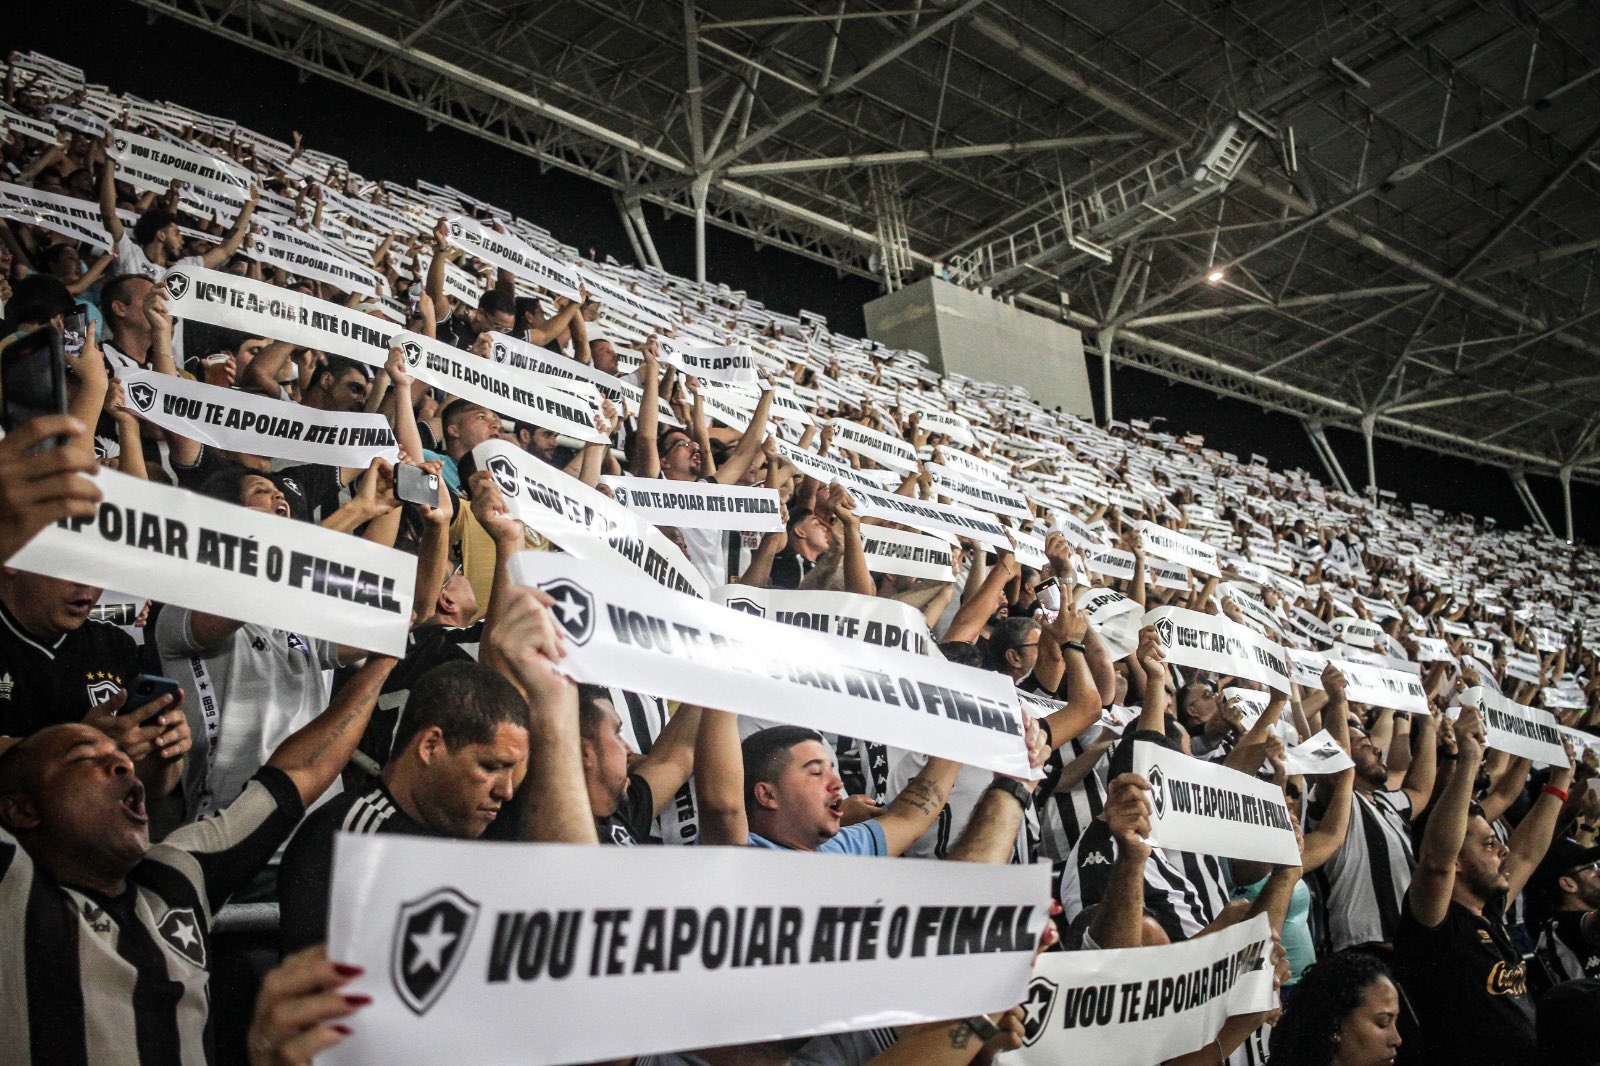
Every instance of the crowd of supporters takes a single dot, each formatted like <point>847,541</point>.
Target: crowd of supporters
<point>1444,908</point>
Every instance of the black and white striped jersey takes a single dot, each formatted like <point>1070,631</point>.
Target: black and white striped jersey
<point>90,978</point>
<point>1365,881</point>
<point>1183,890</point>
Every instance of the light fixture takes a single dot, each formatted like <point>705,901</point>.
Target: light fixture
<point>1214,277</point>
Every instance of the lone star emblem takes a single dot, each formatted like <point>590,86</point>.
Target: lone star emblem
<point>180,931</point>
<point>574,609</point>
<point>1036,1008</point>
<point>142,395</point>
<point>504,472</point>
<point>177,284</point>
<point>430,940</point>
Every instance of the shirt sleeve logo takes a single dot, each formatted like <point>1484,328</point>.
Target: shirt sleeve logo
<point>430,940</point>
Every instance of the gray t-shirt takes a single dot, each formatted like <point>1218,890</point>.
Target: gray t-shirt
<point>243,698</point>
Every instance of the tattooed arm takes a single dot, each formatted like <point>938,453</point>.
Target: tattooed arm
<point>917,805</point>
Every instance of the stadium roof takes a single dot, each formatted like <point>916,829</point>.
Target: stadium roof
<point>1377,211</point>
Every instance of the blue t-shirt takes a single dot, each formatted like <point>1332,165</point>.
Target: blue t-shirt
<point>863,838</point>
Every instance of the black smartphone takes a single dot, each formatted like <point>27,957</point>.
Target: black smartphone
<point>33,378</point>
<point>74,331</point>
<point>412,484</point>
<point>147,687</point>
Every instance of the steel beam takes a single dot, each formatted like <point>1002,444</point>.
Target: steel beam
<point>1311,300</point>
<point>958,151</point>
<point>1579,157</point>
<point>1566,499</point>
<point>828,92</point>
<point>1529,503</point>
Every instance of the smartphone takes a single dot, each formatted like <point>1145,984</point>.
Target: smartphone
<point>74,331</point>
<point>412,484</point>
<point>148,687</point>
<point>33,378</point>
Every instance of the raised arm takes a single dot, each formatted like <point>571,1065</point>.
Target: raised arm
<point>314,755</point>
<point>912,812</point>
<point>646,461</point>
<point>1119,919</point>
<point>744,453</point>
<point>719,780</point>
<point>1418,784</point>
<point>218,256</point>
<point>553,802</point>
<point>108,192</point>
<point>1531,838</point>
<point>1434,879</point>
<point>671,758</point>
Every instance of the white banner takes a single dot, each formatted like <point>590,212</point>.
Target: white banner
<point>698,504</point>
<point>1320,754</point>
<point>1212,642</point>
<point>66,215</point>
<point>150,165</point>
<point>982,497</point>
<point>513,254</point>
<point>264,310</point>
<point>1109,562</point>
<point>587,523</point>
<point>870,619</point>
<point>237,421</point>
<point>869,443</point>
<point>1208,808</point>
<point>304,257</point>
<point>625,302</point>
<point>824,468</point>
<point>1143,1006</point>
<point>1169,544</point>
<point>566,406</point>
<point>1356,631</point>
<point>927,515</point>
<point>1383,687</point>
<point>622,631</point>
<point>731,364</point>
<point>520,355</point>
<point>1115,617</point>
<point>970,467</point>
<point>894,551</point>
<point>552,940</point>
<point>173,546</point>
<point>1527,732</point>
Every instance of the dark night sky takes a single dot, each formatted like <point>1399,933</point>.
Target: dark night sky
<point>168,60</point>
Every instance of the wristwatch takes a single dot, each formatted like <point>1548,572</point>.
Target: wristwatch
<point>1011,786</point>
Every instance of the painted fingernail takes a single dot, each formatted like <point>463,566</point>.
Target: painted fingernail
<point>344,969</point>
<point>356,999</point>
<point>342,1030</point>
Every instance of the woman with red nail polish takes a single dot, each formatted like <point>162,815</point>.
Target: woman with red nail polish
<point>301,1008</point>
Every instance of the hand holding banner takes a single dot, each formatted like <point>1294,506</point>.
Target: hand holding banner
<point>1208,808</point>
<point>236,421</point>
<point>1527,732</point>
<point>173,546</point>
<point>1143,1006</point>
<point>548,939</point>
<point>1212,642</point>
<point>623,631</point>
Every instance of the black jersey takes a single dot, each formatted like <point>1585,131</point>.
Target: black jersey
<point>306,874</point>
<point>47,682</point>
<point>631,823</point>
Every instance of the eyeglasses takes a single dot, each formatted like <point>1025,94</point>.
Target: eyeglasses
<point>681,443</point>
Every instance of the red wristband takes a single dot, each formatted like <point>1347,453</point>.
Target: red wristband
<point>1554,791</point>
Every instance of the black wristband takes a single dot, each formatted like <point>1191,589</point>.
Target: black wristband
<point>1075,645</point>
<point>1011,787</point>
<point>1049,734</point>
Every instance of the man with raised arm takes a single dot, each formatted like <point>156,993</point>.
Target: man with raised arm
<point>1465,979</point>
